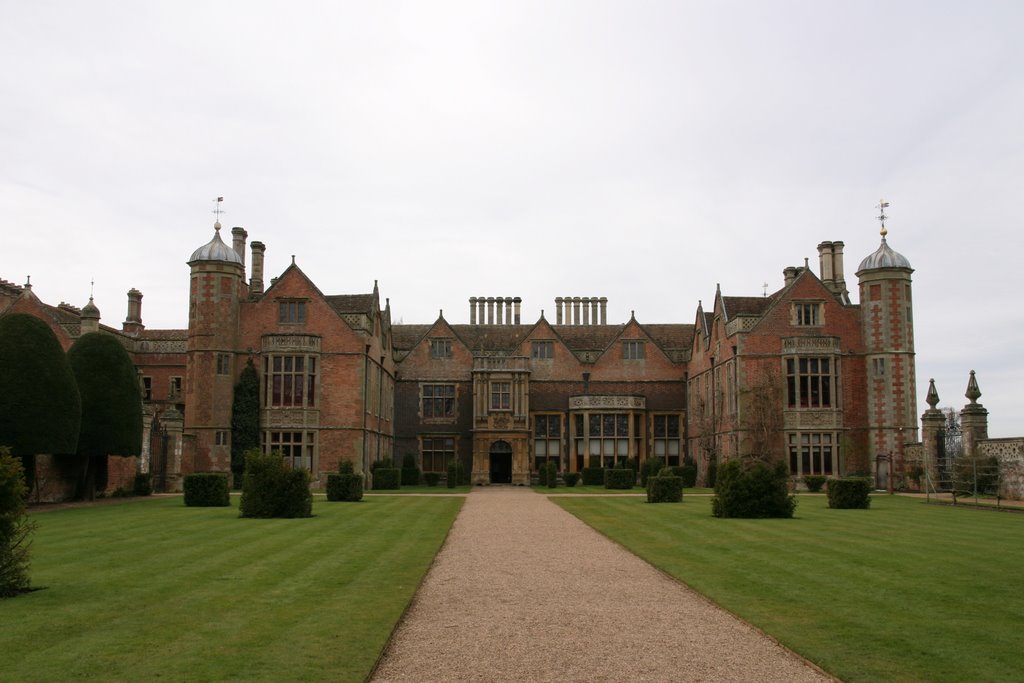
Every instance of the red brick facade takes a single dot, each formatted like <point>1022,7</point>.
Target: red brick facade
<point>800,374</point>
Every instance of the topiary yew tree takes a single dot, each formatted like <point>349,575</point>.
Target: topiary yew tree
<point>111,402</point>
<point>40,408</point>
<point>245,419</point>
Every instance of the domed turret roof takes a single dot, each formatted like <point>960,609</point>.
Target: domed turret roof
<point>90,310</point>
<point>216,250</point>
<point>884,257</point>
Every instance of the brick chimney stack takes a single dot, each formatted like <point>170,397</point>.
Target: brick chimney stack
<point>256,281</point>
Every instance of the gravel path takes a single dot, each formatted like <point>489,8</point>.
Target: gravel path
<point>524,591</point>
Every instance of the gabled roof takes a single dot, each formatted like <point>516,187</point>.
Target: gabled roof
<point>493,339</point>
<point>405,337</point>
<point>588,337</point>
<point>745,305</point>
<point>351,303</point>
<point>674,337</point>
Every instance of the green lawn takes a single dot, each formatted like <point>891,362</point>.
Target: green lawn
<point>151,589</point>
<point>440,489</point>
<point>903,591</point>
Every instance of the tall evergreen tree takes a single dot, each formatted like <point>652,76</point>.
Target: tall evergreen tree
<point>40,408</point>
<point>111,401</point>
<point>245,419</point>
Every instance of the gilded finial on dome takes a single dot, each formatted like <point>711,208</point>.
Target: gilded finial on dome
<point>882,206</point>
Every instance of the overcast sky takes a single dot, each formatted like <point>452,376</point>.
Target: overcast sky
<point>642,151</point>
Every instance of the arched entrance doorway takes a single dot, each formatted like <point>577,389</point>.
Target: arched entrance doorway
<point>501,462</point>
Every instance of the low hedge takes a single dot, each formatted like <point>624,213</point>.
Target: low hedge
<point>814,482</point>
<point>207,489</point>
<point>571,478</point>
<point>387,479</point>
<point>431,478</point>
<point>551,475</point>
<point>850,493</point>
<point>345,486</point>
<point>453,474</point>
<point>619,479</point>
<point>665,489</point>
<point>593,476</point>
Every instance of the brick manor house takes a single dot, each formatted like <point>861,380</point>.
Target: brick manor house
<point>802,372</point>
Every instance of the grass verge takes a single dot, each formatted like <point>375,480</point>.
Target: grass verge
<point>150,589</point>
<point>901,592</point>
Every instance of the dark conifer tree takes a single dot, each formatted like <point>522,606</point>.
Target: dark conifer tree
<point>245,419</point>
<point>111,402</point>
<point>40,409</point>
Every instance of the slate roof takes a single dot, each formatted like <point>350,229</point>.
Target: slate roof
<point>588,337</point>
<point>745,305</point>
<point>404,337</point>
<point>351,303</point>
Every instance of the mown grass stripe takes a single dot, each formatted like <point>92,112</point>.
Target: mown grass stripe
<point>903,591</point>
<point>152,589</point>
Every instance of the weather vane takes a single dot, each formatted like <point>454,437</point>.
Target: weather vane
<point>216,208</point>
<point>882,206</point>
<point>765,286</point>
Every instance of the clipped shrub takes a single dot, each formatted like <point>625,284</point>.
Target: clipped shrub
<point>688,472</point>
<point>344,487</point>
<point>650,469</point>
<point>593,476</point>
<point>814,482</point>
<point>410,472</point>
<point>432,478</point>
<point>15,528</point>
<point>387,479</point>
<point>143,485</point>
<point>570,478</point>
<point>849,493</point>
<point>542,475</point>
<point>619,478</point>
<point>206,489</point>
<point>753,490</point>
<point>665,489</point>
<point>463,473</point>
<point>551,474</point>
<point>453,474</point>
<point>270,489</point>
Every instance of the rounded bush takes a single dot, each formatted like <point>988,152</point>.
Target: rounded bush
<point>593,476</point>
<point>431,478</point>
<point>269,489</point>
<point>619,479</point>
<point>206,489</point>
<point>851,493</point>
<point>752,491</point>
<point>344,487</point>
<point>666,489</point>
<point>387,478</point>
